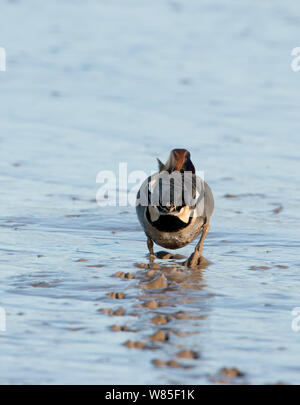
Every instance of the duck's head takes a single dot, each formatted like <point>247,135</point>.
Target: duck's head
<point>171,210</point>
<point>179,160</point>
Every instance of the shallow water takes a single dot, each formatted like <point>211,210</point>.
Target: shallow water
<point>88,86</point>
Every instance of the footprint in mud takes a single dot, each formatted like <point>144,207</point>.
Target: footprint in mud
<point>151,304</point>
<point>161,320</point>
<point>228,376</point>
<point>45,284</point>
<point>183,315</point>
<point>135,345</point>
<point>202,264</point>
<point>170,363</point>
<point>121,274</point>
<point>119,312</point>
<point>188,354</point>
<point>153,279</point>
<point>160,336</point>
<point>121,328</point>
<point>109,311</point>
<point>153,266</point>
<point>159,282</point>
<point>116,295</point>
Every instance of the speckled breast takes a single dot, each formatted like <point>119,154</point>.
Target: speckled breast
<point>170,240</point>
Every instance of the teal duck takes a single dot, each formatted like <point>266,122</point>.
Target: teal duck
<point>174,206</point>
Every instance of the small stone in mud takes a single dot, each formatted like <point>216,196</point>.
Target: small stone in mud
<point>129,276</point>
<point>115,328</point>
<point>159,336</point>
<point>163,363</point>
<point>159,362</point>
<point>140,345</point>
<point>231,372</point>
<point>134,345</point>
<point>41,284</point>
<point>259,268</point>
<point>39,256</point>
<point>106,311</point>
<point>116,295</point>
<point>188,354</point>
<point>81,260</point>
<point>160,282</point>
<point>281,266</point>
<point>129,343</point>
<point>230,196</point>
<point>96,266</point>
<point>119,328</point>
<point>278,209</point>
<point>159,320</point>
<point>151,304</point>
<point>119,274</point>
<point>119,312</point>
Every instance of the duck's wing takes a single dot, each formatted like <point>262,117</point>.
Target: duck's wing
<point>208,202</point>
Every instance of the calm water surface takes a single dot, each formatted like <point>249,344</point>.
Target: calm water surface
<point>90,85</point>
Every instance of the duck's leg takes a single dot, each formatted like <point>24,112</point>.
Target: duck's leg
<point>194,259</point>
<point>150,248</point>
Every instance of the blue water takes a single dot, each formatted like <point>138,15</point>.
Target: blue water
<point>89,85</point>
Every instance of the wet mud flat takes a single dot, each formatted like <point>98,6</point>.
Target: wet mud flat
<point>95,307</point>
<point>107,83</point>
